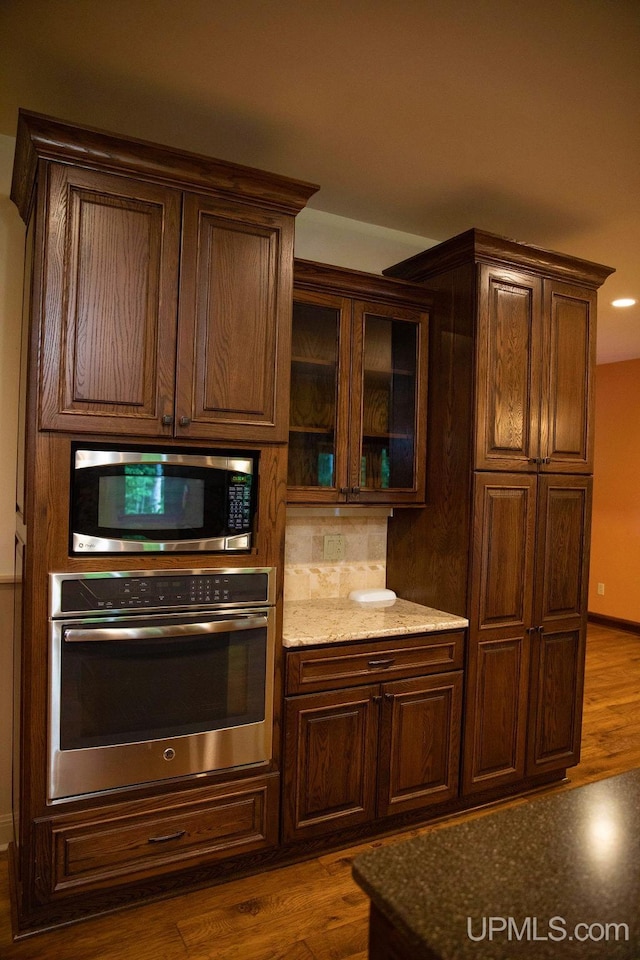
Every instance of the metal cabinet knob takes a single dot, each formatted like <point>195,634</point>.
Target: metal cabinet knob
<point>184,421</point>
<point>167,420</point>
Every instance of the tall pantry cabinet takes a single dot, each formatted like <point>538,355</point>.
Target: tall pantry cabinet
<point>157,309</point>
<point>504,536</point>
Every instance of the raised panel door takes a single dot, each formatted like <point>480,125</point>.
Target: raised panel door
<point>558,643</point>
<point>564,526</point>
<point>330,764</point>
<point>568,389</point>
<point>419,742</point>
<point>503,551</point>
<point>508,370</point>
<point>109,303</point>
<point>557,683</point>
<point>234,322</point>
<point>496,712</point>
<point>504,539</point>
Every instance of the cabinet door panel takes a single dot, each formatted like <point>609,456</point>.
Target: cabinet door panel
<point>403,657</point>
<point>235,322</point>
<point>388,403</point>
<point>96,848</point>
<point>419,742</point>
<point>319,414</point>
<point>568,395</point>
<point>110,304</point>
<point>557,672</point>
<point>496,719</point>
<point>330,761</point>
<point>508,389</point>
<point>563,548</point>
<point>504,542</point>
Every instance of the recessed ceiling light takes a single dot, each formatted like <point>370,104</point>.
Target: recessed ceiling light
<point>623,302</point>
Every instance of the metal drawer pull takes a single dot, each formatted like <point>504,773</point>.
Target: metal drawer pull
<point>169,836</point>
<point>382,663</point>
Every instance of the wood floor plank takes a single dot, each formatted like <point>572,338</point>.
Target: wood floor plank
<point>252,930</point>
<point>313,910</point>
<point>341,943</point>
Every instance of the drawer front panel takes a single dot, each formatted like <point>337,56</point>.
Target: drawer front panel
<point>117,846</point>
<point>331,667</point>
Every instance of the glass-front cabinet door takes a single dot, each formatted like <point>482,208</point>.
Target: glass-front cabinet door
<point>358,401</point>
<point>385,397</point>
<point>318,416</point>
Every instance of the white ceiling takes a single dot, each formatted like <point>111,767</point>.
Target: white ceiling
<point>426,116</point>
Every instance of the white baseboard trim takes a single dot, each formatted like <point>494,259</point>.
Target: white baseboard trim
<point>6,830</point>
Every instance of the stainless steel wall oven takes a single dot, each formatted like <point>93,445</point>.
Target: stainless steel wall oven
<point>158,674</point>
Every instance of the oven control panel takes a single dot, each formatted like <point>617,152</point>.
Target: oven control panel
<point>96,593</point>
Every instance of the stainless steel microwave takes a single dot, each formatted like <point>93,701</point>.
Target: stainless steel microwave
<point>148,500</point>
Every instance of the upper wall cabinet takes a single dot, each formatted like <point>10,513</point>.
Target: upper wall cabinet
<point>531,319</point>
<point>165,302</point>
<point>358,388</point>
<point>536,353</point>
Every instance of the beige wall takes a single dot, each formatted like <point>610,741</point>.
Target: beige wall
<point>6,712</point>
<point>319,236</point>
<point>11,258</point>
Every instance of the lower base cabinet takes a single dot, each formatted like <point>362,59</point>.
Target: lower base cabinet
<point>557,682</point>
<point>364,752</point>
<point>84,852</point>
<point>527,636</point>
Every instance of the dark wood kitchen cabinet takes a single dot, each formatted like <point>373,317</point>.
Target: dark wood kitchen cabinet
<point>504,536</point>
<point>529,587</point>
<point>536,354</point>
<point>157,306</point>
<point>357,753</point>
<point>166,296</point>
<point>88,851</point>
<point>358,388</point>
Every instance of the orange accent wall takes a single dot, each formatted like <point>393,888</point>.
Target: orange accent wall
<point>615,537</point>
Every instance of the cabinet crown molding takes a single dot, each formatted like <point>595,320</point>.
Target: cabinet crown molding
<point>42,137</point>
<point>483,247</point>
<point>312,275</point>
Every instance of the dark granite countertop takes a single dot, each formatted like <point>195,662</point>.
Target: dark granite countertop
<point>562,867</point>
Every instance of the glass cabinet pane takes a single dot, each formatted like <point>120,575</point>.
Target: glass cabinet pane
<point>314,384</point>
<point>388,403</point>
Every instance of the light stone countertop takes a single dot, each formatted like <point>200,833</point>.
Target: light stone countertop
<point>335,620</point>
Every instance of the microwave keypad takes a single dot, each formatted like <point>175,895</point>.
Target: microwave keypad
<point>239,506</point>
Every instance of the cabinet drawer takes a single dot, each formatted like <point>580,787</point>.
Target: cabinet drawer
<point>124,842</point>
<point>310,669</point>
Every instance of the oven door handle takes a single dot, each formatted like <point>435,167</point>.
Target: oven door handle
<point>177,631</point>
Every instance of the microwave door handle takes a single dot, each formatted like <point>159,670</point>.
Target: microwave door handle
<point>178,630</point>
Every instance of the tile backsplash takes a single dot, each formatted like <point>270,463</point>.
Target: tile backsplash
<point>308,576</point>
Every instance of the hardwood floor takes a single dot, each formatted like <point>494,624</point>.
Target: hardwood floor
<point>314,911</point>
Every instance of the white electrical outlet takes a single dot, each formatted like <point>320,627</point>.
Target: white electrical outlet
<point>601,589</point>
<point>333,546</point>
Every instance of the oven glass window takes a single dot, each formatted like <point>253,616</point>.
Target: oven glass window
<point>130,690</point>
